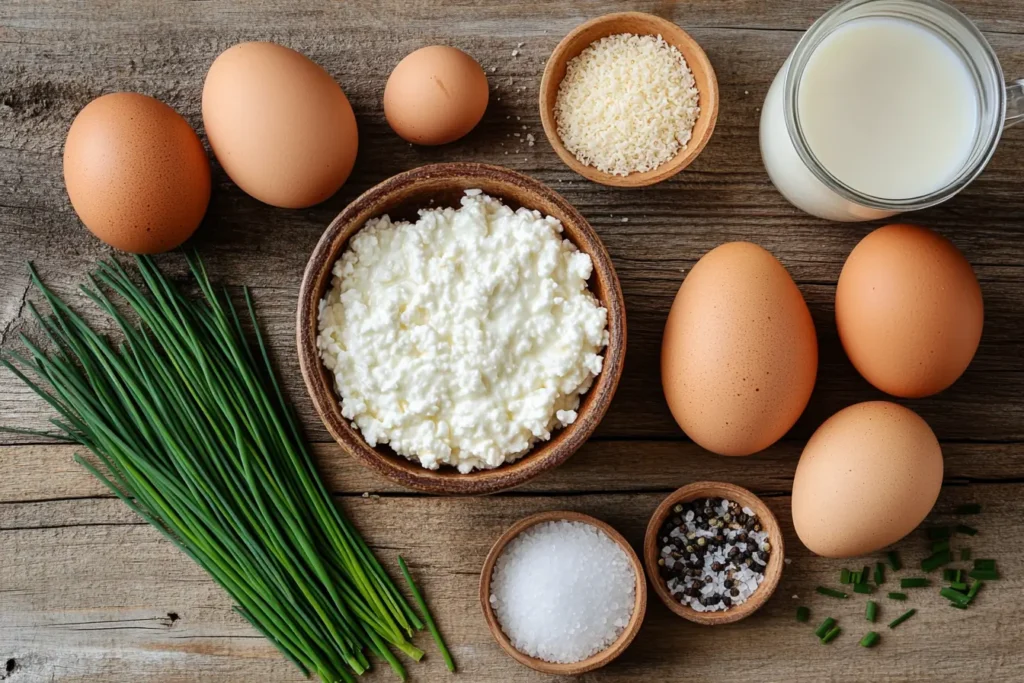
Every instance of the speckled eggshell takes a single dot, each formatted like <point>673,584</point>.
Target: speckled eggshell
<point>739,356</point>
<point>279,124</point>
<point>909,310</point>
<point>435,95</point>
<point>868,477</point>
<point>136,173</point>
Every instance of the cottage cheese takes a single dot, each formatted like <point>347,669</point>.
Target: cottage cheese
<point>464,338</point>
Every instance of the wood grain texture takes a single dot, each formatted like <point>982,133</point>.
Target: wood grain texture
<point>88,593</point>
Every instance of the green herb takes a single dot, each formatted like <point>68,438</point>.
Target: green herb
<point>954,595</point>
<point>959,576</point>
<point>914,582</point>
<point>949,575</point>
<point>985,564</point>
<point>872,610</point>
<point>863,588</point>
<point>831,635</point>
<point>968,509</point>
<point>958,605</point>
<point>984,574</point>
<point>844,576</point>
<point>966,530</point>
<point>427,616</point>
<point>901,618</point>
<point>939,546</point>
<point>965,554</point>
<point>894,561</point>
<point>973,590</point>
<point>831,592</point>
<point>879,573</point>
<point>897,596</point>
<point>854,577</point>
<point>938,533</point>
<point>824,627</point>
<point>192,432</point>
<point>937,560</point>
<point>870,639</point>
<point>802,613</point>
<point>958,586</point>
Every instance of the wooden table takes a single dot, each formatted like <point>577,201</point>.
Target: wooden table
<point>89,593</point>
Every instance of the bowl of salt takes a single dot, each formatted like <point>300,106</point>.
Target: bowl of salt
<point>563,593</point>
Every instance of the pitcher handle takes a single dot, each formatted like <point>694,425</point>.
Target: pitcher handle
<point>1014,103</point>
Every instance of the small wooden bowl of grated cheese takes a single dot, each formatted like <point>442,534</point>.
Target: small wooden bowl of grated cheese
<point>628,99</point>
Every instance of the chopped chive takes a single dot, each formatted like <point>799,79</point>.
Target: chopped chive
<point>879,573</point>
<point>949,575</point>
<point>897,596</point>
<point>954,595</point>
<point>854,577</point>
<point>914,582</point>
<point>975,587</point>
<point>901,618</point>
<point>863,588</point>
<point>959,576</point>
<point>938,533</point>
<point>824,627</point>
<point>984,574</point>
<point>958,586</point>
<point>937,560</point>
<point>967,509</point>
<point>872,610</point>
<point>844,576</point>
<point>939,546</point>
<point>958,605</point>
<point>802,613</point>
<point>965,554</point>
<point>894,561</point>
<point>831,635</point>
<point>985,564</point>
<point>831,592</point>
<point>870,639</point>
<point>966,530</point>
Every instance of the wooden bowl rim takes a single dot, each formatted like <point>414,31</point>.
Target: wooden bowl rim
<point>595,661</point>
<point>448,481</point>
<point>674,35</point>
<point>773,572</point>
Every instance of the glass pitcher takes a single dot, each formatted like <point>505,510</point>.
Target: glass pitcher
<point>807,184</point>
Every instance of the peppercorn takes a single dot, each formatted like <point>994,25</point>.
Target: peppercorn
<point>661,561</point>
<point>716,566</point>
<point>677,509</point>
<point>726,601</point>
<point>766,547</point>
<point>701,542</point>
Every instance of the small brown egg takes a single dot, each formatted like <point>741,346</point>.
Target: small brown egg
<point>909,310</point>
<point>868,477</point>
<point>740,355</point>
<point>280,126</point>
<point>435,95</point>
<point>136,173</point>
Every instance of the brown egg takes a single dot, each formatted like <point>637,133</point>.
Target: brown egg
<point>136,173</point>
<point>739,356</point>
<point>280,126</point>
<point>867,478</point>
<point>435,95</point>
<point>909,310</point>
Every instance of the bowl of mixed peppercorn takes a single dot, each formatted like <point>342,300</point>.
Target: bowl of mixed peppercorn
<point>713,552</point>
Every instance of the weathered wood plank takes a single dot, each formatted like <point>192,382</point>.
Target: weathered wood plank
<point>99,602</point>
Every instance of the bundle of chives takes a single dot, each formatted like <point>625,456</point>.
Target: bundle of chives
<point>194,435</point>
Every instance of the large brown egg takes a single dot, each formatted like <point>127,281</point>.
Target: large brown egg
<point>280,126</point>
<point>739,356</point>
<point>868,477</point>
<point>909,310</point>
<point>136,173</point>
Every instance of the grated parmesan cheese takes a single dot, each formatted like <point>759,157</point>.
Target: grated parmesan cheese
<point>627,104</point>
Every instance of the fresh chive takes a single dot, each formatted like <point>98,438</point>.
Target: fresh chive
<point>937,533</point>
<point>427,616</point>
<point>897,596</point>
<point>824,627</point>
<point>831,635</point>
<point>937,560</point>
<point>965,554</point>
<point>966,530</point>
<point>831,592</point>
<point>958,605</point>
<point>985,564</point>
<point>844,576</point>
<point>894,561</point>
<point>872,610</point>
<point>802,613</point>
<point>870,639</point>
<point>954,595</point>
<point>973,590</point>
<point>958,586</point>
<point>939,546</point>
<point>863,588</point>
<point>914,582</point>
<point>984,574</point>
<point>854,577</point>
<point>959,578</point>
<point>949,575</point>
<point>967,509</point>
<point>879,573</point>
<point>901,618</point>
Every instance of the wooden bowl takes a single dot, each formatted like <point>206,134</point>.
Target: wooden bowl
<point>636,23</point>
<point>400,197</point>
<point>595,661</point>
<point>713,489</point>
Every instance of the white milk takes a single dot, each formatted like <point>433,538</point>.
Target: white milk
<point>885,105</point>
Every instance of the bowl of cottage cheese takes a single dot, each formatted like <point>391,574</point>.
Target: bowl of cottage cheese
<point>461,329</point>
